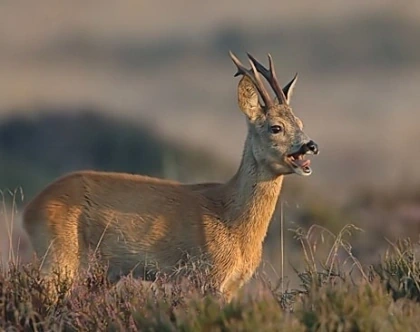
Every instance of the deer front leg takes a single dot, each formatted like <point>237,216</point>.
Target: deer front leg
<point>232,285</point>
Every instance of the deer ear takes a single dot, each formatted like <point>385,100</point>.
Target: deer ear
<point>248,99</point>
<point>288,89</point>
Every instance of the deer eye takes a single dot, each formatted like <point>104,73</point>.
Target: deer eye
<point>276,129</point>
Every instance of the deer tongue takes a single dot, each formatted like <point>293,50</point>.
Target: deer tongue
<point>302,162</point>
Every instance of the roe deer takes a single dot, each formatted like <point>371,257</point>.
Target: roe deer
<point>131,220</point>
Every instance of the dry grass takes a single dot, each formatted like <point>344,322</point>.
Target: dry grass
<point>330,298</point>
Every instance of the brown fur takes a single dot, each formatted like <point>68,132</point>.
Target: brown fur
<point>133,220</point>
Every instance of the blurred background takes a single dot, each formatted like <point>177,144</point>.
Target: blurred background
<point>148,87</point>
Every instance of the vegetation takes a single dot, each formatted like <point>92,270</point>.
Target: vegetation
<point>331,297</point>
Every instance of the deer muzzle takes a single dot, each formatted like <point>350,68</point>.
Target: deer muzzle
<point>297,160</point>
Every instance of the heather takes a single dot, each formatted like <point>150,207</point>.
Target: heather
<point>335,293</point>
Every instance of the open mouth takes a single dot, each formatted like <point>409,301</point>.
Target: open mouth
<point>299,163</point>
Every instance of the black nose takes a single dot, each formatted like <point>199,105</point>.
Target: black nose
<point>312,146</point>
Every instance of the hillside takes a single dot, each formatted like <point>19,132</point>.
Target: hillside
<point>36,150</point>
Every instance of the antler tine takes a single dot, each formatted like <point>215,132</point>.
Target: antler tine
<point>261,87</point>
<point>255,78</point>
<point>270,76</point>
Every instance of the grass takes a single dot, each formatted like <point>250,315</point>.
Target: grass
<point>335,293</point>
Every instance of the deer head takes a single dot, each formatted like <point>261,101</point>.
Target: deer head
<point>276,136</point>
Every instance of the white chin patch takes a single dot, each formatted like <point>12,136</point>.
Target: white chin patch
<point>303,171</point>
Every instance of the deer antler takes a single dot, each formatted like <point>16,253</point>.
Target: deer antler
<point>255,77</point>
<point>270,76</point>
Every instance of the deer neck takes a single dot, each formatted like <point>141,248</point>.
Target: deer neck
<point>253,195</point>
